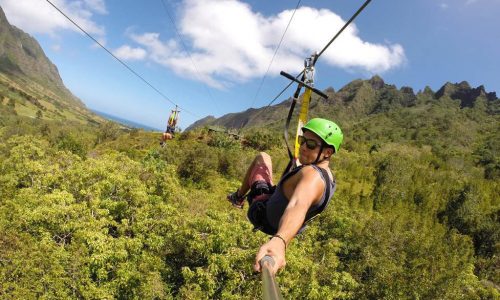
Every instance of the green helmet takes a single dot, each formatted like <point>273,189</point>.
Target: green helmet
<point>328,131</point>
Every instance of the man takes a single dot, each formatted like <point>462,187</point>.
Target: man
<point>301,194</point>
<point>170,131</point>
<point>167,135</point>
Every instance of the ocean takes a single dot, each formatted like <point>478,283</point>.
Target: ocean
<point>125,122</point>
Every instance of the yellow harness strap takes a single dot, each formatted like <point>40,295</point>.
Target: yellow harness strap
<point>304,111</point>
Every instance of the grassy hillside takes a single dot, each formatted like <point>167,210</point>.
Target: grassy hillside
<point>35,101</point>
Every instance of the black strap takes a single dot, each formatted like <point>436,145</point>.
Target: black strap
<point>326,178</point>
<point>327,193</point>
<point>323,205</point>
<point>291,163</point>
<point>291,173</point>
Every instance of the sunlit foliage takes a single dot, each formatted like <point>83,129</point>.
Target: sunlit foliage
<point>99,212</point>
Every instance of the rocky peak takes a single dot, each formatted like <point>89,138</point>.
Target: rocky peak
<point>428,91</point>
<point>464,92</point>
<point>329,90</point>
<point>482,92</point>
<point>376,82</point>
<point>407,90</point>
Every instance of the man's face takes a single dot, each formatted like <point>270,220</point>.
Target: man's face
<point>310,147</point>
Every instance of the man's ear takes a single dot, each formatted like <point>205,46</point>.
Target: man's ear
<point>329,152</point>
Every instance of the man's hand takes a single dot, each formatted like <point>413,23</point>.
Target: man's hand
<point>274,248</point>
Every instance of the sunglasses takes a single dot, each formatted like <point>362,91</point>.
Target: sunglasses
<point>310,143</point>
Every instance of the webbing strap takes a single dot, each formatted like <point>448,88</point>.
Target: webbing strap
<point>304,111</point>
<point>174,117</point>
<point>307,81</point>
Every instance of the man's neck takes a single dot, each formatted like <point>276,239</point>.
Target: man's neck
<point>323,164</point>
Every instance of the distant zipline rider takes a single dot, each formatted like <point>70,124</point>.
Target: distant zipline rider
<point>171,126</point>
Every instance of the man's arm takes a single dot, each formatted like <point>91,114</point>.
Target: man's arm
<point>309,189</point>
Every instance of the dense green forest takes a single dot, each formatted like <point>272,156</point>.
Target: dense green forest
<point>91,211</point>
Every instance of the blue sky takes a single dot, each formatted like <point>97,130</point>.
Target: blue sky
<point>210,56</point>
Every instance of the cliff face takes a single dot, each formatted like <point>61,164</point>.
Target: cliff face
<point>465,93</point>
<point>23,60</point>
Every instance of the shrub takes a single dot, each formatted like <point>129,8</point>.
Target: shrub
<point>262,140</point>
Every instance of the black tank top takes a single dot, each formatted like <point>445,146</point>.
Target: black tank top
<point>278,202</point>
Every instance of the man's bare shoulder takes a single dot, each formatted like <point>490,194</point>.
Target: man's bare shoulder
<point>308,173</point>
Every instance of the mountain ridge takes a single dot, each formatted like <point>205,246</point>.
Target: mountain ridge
<point>357,98</point>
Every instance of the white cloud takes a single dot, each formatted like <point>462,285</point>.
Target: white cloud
<point>97,5</point>
<point>35,16</point>
<point>483,2</point>
<point>129,53</point>
<point>56,47</point>
<point>231,43</point>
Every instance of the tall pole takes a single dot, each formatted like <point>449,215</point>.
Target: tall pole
<point>271,290</point>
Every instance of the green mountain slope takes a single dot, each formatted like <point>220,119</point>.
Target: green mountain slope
<point>30,82</point>
<point>357,100</point>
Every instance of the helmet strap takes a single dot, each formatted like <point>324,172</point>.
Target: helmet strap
<point>319,154</point>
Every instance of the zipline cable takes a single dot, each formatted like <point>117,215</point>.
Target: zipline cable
<point>274,55</point>
<point>275,98</point>
<point>307,81</point>
<point>318,55</point>
<point>283,90</point>
<point>119,60</point>
<point>343,27</point>
<point>269,67</point>
<point>187,51</point>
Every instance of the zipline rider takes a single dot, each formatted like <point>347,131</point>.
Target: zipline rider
<point>283,210</point>
<point>171,125</point>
